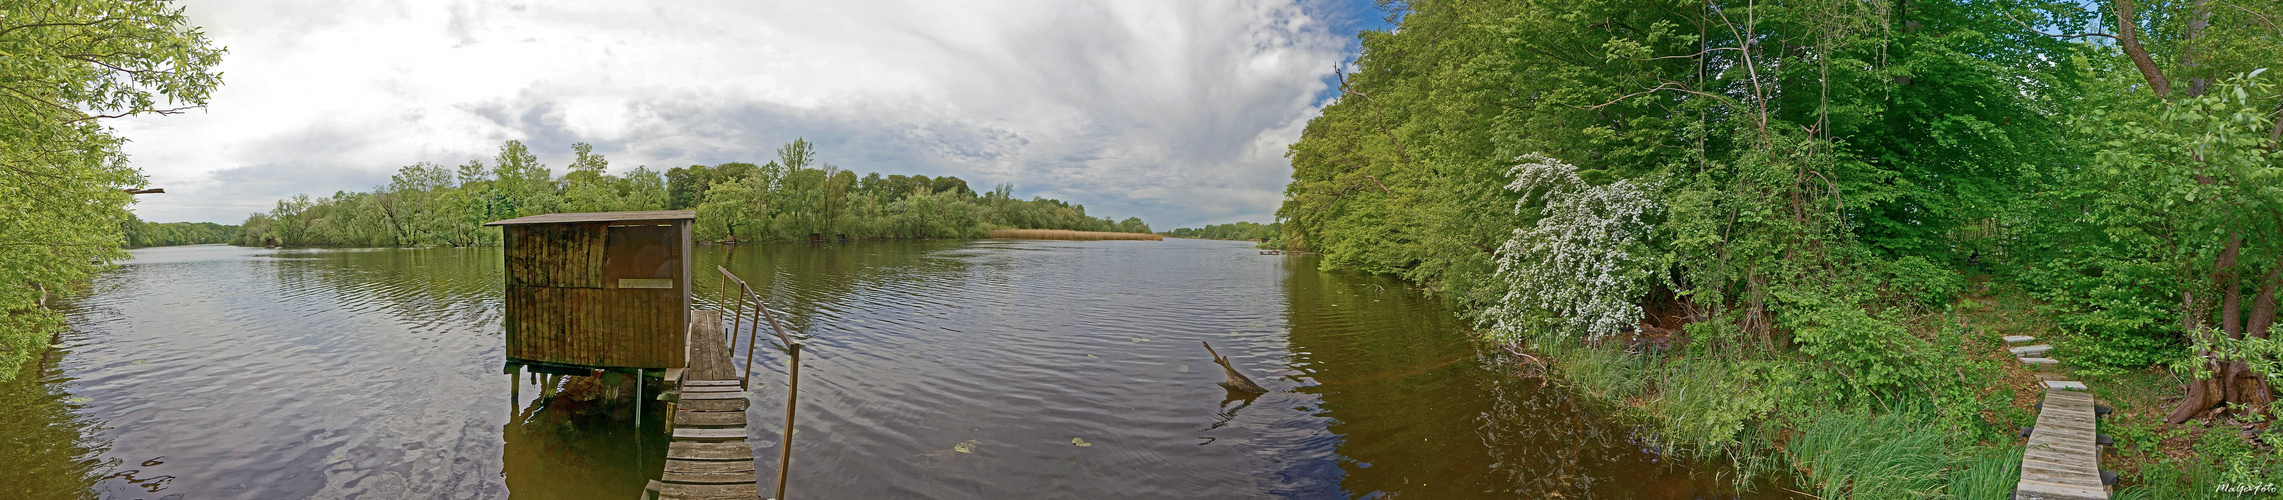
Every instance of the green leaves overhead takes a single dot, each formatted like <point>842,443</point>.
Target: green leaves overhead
<point>65,67</point>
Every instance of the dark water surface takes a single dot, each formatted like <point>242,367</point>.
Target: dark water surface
<point>223,372</point>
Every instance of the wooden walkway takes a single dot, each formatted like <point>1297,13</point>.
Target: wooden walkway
<point>709,457</point>
<point>2063,458</point>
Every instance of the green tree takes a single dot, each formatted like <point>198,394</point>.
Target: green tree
<point>67,67</point>
<point>588,186</point>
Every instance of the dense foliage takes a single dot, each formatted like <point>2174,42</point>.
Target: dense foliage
<point>788,199</point>
<point>140,233</point>
<point>66,66</point>
<point>1248,231</point>
<point>1789,190</point>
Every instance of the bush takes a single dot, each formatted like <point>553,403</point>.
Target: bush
<point>1922,281</point>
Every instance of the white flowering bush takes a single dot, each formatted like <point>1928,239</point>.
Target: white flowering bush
<point>1575,272</point>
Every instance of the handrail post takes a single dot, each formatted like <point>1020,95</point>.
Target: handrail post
<point>792,397</point>
<point>738,321</point>
<point>752,342</point>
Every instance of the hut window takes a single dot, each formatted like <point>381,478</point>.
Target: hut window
<point>641,256</point>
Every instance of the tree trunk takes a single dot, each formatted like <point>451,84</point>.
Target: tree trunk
<point>2251,388</point>
<point>2207,391</point>
<point>2199,18</point>
<point>2128,36</point>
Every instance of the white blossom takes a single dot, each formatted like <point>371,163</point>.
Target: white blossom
<point>1573,272</point>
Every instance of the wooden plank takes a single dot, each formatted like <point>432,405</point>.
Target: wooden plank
<point>713,383</point>
<point>709,356</point>
<point>709,466</point>
<point>713,388</point>
<point>714,404</point>
<point>693,395</point>
<point>685,433</point>
<point>691,450</point>
<point>2041,490</point>
<point>672,477</point>
<point>2061,460</point>
<point>744,491</point>
<point>709,419</point>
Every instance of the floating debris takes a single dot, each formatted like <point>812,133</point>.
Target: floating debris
<point>80,400</point>
<point>1236,381</point>
<point>1080,442</point>
<point>1141,340</point>
<point>967,446</point>
<point>1092,356</point>
<point>1182,369</point>
<point>139,361</point>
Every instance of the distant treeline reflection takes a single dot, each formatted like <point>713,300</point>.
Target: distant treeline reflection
<point>789,199</point>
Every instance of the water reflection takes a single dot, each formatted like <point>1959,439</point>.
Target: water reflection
<point>935,369</point>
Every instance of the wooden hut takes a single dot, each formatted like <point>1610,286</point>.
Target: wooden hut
<point>588,291</point>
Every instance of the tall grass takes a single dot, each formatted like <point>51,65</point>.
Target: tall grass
<point>1847,455</point>
<point>1062,234</point>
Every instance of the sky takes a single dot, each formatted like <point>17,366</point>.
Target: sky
<point>1178,112</point>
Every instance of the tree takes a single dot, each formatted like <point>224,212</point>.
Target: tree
<point>643,189</point>
<point>525,185</point>
<point>68,66</point>
<point>587,187</point>
<point>728,211</point>
<point>2220,154</point>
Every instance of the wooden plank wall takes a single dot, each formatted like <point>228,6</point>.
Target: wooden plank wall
<point>560,310</point>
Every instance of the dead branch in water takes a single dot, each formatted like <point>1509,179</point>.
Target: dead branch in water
<point>1237,381</point>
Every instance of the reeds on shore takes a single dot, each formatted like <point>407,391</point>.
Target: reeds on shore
<point>1064,234</point>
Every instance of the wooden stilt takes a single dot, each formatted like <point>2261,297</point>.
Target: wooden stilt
<point>514,389</point>
<point>638,399</point>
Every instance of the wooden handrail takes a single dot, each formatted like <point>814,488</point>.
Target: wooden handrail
<point>792,348</point>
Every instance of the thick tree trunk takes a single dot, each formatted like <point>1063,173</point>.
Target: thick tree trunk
<point>2251,388</point>
<point>2205,392</point>
<point>2202,392</point>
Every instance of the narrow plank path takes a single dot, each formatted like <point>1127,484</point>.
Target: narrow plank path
<point>709,458</point>
<point>2063,458</point>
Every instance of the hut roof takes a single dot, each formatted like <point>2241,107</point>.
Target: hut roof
<point>599,217</point>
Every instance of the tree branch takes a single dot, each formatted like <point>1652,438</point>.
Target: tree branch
<point>2128,36</point>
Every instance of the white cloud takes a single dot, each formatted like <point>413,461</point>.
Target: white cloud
<point>1178,112</point>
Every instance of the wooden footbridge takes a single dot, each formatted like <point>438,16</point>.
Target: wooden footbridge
<point>709,457</point>
<point>596,293</point>
<point>2063,458</point>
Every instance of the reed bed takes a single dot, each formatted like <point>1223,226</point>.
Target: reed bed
<point>1064,234</point>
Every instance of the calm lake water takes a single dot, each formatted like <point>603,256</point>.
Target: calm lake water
<point>224,372</point>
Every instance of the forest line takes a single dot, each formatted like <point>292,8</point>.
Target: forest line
<point>786,199</point>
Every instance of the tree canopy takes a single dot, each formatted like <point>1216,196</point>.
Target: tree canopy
<point>66,67</point>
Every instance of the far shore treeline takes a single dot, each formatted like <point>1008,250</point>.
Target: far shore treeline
<point>787,199</point>
<point>1271,233</point>
<point>144,234</point>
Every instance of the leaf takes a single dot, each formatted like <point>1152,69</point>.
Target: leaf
<point>1080,442</point>
<point>80,400</point>
<point>967,446</point>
